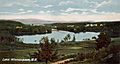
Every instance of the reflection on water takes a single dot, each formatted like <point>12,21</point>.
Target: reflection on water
<point>58,35</point>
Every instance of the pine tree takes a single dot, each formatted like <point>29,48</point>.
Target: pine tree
<point>73,38</point>
<point>103,40</point>
<point>46,52</point>
<point>68,36</point>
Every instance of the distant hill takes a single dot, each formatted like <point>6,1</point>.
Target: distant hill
<point>41,22</point>
<point>34,21</point>
<point>10,23</point>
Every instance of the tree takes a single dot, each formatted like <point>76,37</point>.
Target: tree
<point>53,42</point>
<point>93,37</point>
<point>68,36</point>
<point>65,39</point>
<point>73,38</point>
<point>46,52</point>
<point>103,40</point>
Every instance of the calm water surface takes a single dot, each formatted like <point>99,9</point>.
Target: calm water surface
<point>58,35</point>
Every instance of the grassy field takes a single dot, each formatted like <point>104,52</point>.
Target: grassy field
<point>62,50</point>
<point>84,47</point>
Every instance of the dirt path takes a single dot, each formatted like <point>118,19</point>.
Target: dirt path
<point>62,61</point>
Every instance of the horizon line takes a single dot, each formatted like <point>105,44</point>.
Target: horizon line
<point>70,17</point>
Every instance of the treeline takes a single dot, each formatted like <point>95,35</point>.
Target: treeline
<point>9,29</point>
<point>11,23</point>
<point>111,27</point>
<point>18,28</point>
<point>10,42</point>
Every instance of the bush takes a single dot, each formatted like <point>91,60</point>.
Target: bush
<point>105,55</point>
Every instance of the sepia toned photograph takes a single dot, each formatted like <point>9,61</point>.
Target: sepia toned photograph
<point>59,31</point>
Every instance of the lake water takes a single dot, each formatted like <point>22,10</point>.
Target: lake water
<point>58,35</point>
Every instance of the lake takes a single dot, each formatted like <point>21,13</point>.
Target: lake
<point>58,35</point>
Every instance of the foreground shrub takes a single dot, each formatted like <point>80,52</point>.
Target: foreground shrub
<point>108,55</point>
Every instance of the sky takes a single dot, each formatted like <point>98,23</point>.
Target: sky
<point>61,10</point>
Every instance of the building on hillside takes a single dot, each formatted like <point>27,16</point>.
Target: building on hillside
<point>19,27</point>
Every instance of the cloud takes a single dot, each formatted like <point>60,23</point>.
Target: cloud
<point>28,11</point>
<point>66,2</point>
<point>71,9</point>
<point>4,4</point>
<point>21,9</point>
<point>84,13</point>
<point>15,4</point>
<point>103,3</point>
<point>64,13</point>
<point>41,12</point>
<point>26,3</point>
<point>50,11</point>
<point>91,2</point>
<point>21,12</point>
<point>103,12</point>
<point>46,12</point>
<point>93,11</point>
<point>37,5</point>
<point>18,13</point>
<point>24,12</point>
<point>47,6</point>
<point>74,13</point>
<point>58,7</point>
<point>6,13</point>
<point>97,4</point>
